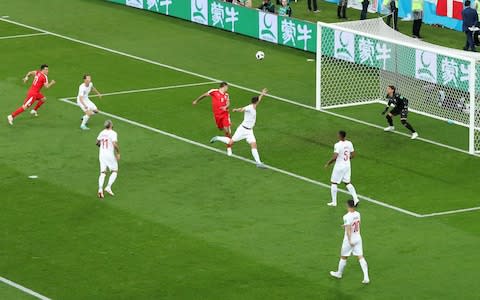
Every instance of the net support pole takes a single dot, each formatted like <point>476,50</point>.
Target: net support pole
<point>472,92</point>
<point>318,70</point>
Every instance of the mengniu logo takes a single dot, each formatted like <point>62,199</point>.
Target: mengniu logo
<point>426,66</point>
<point>268,27</point>
<point>199,11</point>
<point>344,47</point>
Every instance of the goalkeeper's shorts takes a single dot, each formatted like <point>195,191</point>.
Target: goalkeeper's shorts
<point>402,112</point>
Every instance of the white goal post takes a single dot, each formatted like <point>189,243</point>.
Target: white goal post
<point>357,60</point>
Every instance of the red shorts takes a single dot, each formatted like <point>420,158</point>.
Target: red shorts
<point>222,120</point>
<point>31,98</point>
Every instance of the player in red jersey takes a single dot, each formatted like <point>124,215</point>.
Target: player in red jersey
<point>220,105</point>
<point>40,80</point>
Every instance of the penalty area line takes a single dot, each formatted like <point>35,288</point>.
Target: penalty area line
<point>153,62</point>
<point>151,89</point>
<point>23,289</point>
<point>300,177</point>
<point>450,212</point>
<point>22,35</point>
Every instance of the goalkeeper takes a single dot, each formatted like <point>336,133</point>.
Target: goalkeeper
<point>400,108</point>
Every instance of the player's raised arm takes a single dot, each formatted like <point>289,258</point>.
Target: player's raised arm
<point>200,98</point>
<point>263,93</point>
<point>31,73</point>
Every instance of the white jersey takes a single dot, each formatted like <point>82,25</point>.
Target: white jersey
<point>353,219</point>
<point>249,116</point>
<point>344,150</point>
<point>106,138</point>
<point>84,91</point>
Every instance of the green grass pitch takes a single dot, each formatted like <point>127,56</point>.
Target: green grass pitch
<point>189,222</point>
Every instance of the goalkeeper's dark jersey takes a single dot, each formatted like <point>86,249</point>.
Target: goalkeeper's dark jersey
<point>398,101</point>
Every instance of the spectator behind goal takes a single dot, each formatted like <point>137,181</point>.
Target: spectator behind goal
<point>267,6</point>
<point>285,10</point>
<point>246,3</point>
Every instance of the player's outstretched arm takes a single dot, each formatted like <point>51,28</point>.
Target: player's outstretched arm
<point>48,85</point>
<point>334,158</point>
<point>385,110</point>
<point>241,109</point>
<point>97,92</point>
<point>31,73</point>
<point>260,97</point>
<point>200,98</point>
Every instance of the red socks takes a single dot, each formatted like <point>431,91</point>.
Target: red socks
<point>40,103</point>
<point>18,111</point>
<point>229,136</point>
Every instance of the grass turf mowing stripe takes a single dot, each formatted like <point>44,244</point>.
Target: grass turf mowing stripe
<point>23,289</point>
<point>303,178</point>
<point>218,80</point>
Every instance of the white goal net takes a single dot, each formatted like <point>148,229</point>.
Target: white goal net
<point>357,60</point>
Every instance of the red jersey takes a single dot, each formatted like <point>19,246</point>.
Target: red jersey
<point>219,100</point>
<point>38,82</point>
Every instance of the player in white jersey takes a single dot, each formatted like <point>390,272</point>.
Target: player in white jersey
<point>343,152</point>
<point>87,105</point>
<point>245,130</point>
<point>109,156</point>
<point>352,243</point>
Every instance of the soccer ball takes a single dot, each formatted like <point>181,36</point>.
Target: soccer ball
<point>260,55</point>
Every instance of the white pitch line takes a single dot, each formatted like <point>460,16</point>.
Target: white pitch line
<point>217,80</point>
<point>22,35</point>
<point>450,212</point>
<point>397,132</point>
<point>23,289</point>
<point>303,178</point>
<point>151,89</point>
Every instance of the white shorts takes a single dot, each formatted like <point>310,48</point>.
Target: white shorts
<point>109,163</point>
<point>347,249</point>
<point>90,105</point>
<point>340,174</point>
<point>243,133</point>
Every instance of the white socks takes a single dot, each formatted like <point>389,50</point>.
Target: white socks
<point>364,265</point>
<point>85,120</point>
<point>256,156</point>
<point>334,189</point>
<point>111,180</point>
<point>341,265</point>
<point>101,180</point>
<point>353,192</point>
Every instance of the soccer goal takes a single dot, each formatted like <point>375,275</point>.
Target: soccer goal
<point>357,60</point>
